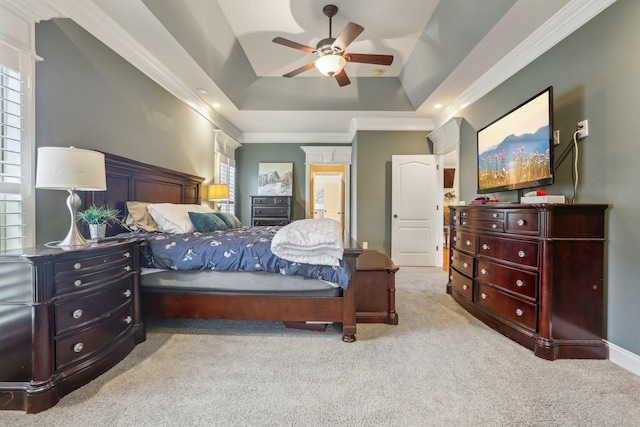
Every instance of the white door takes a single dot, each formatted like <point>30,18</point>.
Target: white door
<point>414,210</point>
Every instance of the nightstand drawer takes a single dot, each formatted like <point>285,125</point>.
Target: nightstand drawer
<point>270,221</point>
<point>87,342</point>
<point>88,276</point>
<point>84,310</point>
<point>91,263</point>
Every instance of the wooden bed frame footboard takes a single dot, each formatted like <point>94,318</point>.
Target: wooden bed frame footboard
<point>130,180</point>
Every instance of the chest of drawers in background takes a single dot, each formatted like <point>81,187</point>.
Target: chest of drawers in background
<point>67,316</point>
<point>534,273</point>
<point>270,210</point>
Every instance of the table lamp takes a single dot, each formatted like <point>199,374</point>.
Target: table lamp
<point>218,192</point>
<point>71,169</point>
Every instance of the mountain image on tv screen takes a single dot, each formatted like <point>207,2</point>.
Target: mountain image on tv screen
<point>517,158</point>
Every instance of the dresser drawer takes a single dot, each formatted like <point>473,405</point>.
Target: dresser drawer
<point>271,211</point>
<point>87,309</point>
<point>461,283</point>
<point>523,223</point>
<point>90,340</point>
<point>489,225</point>
<point>464,241</point>
<point>270,221</point>
<point>462,262</point>
<point>271,200</point>
<point>512,279</point>
<point>504,305</point>
<point>516,251</point>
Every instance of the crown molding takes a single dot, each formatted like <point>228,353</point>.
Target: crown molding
<point>572,16</point>
<point>34,10</point>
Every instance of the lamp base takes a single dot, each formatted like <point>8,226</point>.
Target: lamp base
<point>74,238</point>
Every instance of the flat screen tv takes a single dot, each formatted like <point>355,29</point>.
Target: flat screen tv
<point>516,150</point>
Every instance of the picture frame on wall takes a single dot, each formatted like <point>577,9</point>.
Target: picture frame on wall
<point>275,179</point>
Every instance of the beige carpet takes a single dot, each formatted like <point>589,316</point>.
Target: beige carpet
<point>438,367</point>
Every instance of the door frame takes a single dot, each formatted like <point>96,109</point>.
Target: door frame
<point>329,155</point>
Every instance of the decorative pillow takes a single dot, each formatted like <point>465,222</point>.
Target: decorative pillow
<point>230,219</point>
<point>174,218</point>
<point>139,219</point>
<point>206,222</point>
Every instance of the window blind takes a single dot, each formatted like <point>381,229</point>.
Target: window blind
<point>12,159</point>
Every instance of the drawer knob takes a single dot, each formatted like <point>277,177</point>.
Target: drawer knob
<point>453,257</point>
<point>519,311</point>
<point>455,217</point>
<point>465,287</point>
<point>455,239</point>
<point>78,282</point>
<point>127,293</point>
<point>521,254</point>
<point>128,320</point>
<point>484,271</point>
<point>127,268</point>
<point>77,266</point>
<point>519,283</point>
<point>485,246</point>
<point>78,347</point>
<point>520,222</point>
<point>495,215</point>
<point>465,265</point>
<point>483,296</point>
<point>127,254</point>
<point>464,214</point>
<point>451,277</point>
<point>494,225</point>
<point>469,243</point>
<point>77,313</point>
<point>464,223</point>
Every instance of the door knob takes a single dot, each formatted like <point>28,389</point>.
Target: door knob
<point>395,216</point>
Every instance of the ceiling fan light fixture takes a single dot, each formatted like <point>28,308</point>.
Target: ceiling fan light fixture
<point>330,65</point>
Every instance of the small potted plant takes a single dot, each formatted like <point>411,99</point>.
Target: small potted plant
<point>97,217</point>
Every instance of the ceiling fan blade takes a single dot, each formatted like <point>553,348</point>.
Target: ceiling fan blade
<point>349,34</point>
<point>299,70</point>
<point>295,45</point>
<point>342,78</point>
<point>364,58</point>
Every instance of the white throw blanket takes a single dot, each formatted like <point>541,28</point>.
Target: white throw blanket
<point>310,241</point>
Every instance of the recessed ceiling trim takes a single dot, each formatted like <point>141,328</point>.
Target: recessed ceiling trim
<point>403,123</point>
<point>297,138</point>
<point>567,20</point>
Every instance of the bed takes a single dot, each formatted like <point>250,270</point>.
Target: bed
<point>130,180</point>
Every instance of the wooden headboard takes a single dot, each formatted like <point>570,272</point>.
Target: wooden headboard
<point>131,180</point>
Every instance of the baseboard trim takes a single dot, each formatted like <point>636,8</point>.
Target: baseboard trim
<point>624,358</point>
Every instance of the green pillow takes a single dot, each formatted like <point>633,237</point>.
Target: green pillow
<point>230,219</point>
<point>206,222</point>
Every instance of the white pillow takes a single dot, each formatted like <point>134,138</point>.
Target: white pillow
<point>174,218</point>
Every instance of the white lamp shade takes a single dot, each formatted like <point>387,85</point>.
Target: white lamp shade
<point>70,168</point>
<point>330,65</point>
<point>218,192</point>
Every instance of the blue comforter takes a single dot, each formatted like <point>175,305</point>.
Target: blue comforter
<point>242,249</point>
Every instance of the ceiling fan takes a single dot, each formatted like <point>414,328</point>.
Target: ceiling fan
<point>331,51</point>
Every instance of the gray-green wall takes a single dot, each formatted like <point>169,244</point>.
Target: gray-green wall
<point>249,156</point>
<point>90,97</point>
<point>372,159</point>
<point>595,75</point>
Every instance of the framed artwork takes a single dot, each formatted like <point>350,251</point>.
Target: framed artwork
<point>275,179</point>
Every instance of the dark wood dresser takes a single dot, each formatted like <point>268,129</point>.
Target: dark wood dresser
<point>534,273</point>
<point>270,210</point>
<point>376,288</point>
<point>66,316</point>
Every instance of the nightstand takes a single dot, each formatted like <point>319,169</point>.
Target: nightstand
<point>66,316</point>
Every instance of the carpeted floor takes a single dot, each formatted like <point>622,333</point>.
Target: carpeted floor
<point>438,367</point>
